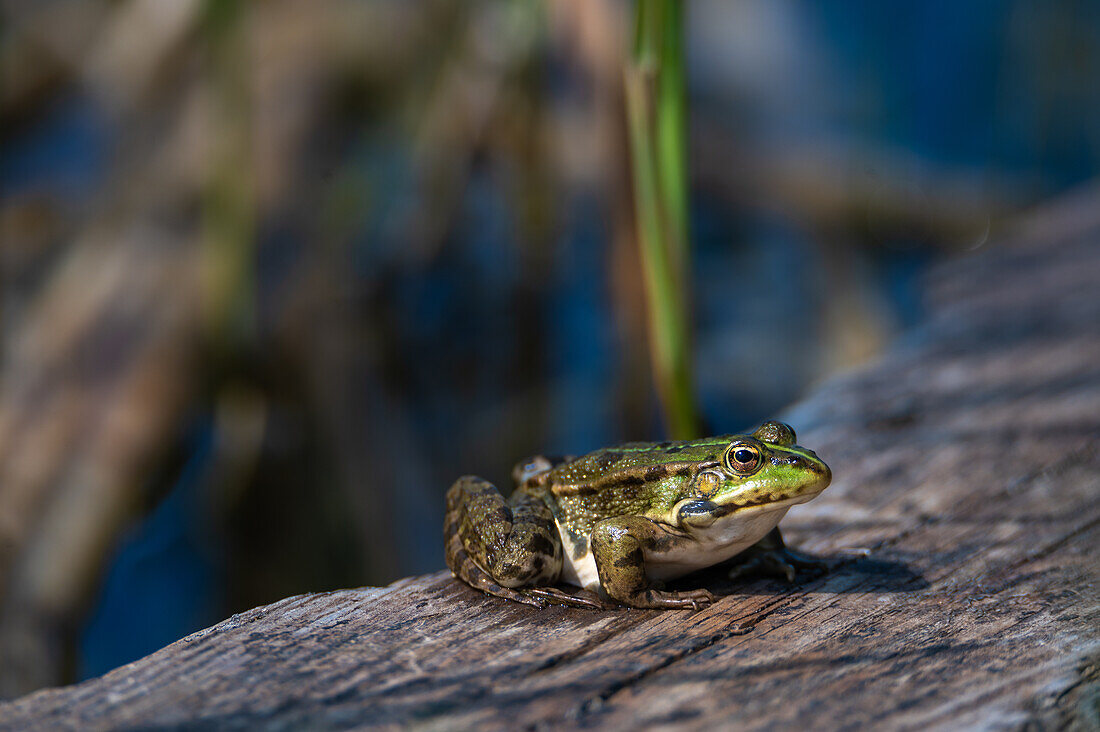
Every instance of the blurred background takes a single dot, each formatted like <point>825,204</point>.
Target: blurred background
<point>274,273</point>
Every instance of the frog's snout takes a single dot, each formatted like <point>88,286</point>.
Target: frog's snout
<point>821,470</point>
<point>815,465</point>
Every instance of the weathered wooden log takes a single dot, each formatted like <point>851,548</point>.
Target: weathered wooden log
<point>962,526</point>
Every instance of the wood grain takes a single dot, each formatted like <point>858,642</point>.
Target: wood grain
<point>963,528</point>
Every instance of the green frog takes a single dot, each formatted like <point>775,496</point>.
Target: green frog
<point>620,521</point>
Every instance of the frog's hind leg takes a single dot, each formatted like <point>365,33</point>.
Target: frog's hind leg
<point>466,570</point>
<point>500,547</point>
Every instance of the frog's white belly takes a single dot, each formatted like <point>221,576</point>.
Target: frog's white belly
<point>727,537</point>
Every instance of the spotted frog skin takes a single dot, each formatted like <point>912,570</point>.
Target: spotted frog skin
<point>620,521</point>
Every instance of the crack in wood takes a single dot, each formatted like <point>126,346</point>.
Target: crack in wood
<point>593,704</point>
<point>594,641</point>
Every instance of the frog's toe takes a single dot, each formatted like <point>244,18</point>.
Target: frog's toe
<point>528,599</point>
<point>492,588</point>
<point>805,562</point>
<point>556,596</point>
<point>700,598</point>
<point>689,599</point>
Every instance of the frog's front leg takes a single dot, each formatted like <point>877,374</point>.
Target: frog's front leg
<point>500,547</point>
<point>771,556</point>
<point>618,547</point>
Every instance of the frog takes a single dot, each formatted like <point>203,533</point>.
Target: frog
<point>620,522</point>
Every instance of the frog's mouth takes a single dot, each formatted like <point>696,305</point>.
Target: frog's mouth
<point>766,504</point>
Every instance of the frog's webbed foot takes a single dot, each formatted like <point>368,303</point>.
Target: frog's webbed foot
<point>771,556</point>
<point>557,596</point>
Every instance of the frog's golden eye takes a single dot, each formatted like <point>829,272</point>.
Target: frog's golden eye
<point>743,458</point>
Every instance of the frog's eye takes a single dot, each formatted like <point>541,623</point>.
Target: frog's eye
<point>743,458</point>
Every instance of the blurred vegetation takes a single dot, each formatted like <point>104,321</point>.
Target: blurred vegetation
<point>273,274</point>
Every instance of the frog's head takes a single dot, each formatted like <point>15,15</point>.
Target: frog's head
<point>763,469</point>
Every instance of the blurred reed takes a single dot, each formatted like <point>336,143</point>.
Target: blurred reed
<point>656,115</point>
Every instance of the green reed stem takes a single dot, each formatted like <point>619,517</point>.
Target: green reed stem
<point>656,117</point>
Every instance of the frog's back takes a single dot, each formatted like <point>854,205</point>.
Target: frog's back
<point>634,463</point>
